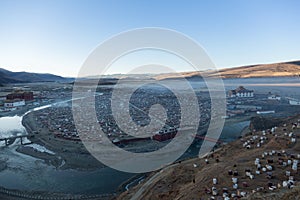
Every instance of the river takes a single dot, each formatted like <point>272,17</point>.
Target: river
<point>28,173</point>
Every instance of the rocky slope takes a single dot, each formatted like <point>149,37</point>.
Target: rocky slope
<point>275,151</point>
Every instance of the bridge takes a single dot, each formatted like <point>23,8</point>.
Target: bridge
<point>13,138</point>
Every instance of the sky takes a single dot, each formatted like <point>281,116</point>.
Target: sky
<point>57,36</point>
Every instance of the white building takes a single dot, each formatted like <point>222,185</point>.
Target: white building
<point>2,98</point>
<point>241,92</point>
<point>294,102</point>
<point>14,103</point>
<point>274,97</point>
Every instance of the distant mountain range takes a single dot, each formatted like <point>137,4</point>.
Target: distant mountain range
<point>283,69</point>
<point>261,70</point>
<point>26,77</point>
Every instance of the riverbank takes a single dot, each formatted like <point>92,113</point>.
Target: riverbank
<point>68,154</point>
<point>6,194</point>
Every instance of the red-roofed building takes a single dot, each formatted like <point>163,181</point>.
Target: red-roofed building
<point>27,96</point>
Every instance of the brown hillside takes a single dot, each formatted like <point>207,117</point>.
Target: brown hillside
<point>261,70</point>
<point>266,70</point>
<point>185,181</point>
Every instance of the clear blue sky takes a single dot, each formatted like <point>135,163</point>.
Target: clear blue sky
<point>56,36</point>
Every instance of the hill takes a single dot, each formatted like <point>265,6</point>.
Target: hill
<point>26,77</point>
<point>193,179</point>
<point>251,71</point>
<point>261,70</point>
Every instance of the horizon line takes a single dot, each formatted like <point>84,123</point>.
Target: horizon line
<point>218,69</point>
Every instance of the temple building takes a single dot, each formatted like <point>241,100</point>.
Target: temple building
<point>241,92</point>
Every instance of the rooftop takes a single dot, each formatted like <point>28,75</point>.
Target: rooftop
<point>241,89</point>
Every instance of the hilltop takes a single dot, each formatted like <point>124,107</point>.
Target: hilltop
<point>7,76</point>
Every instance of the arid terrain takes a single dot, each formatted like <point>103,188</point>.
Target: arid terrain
<point>251,71</point>
<point>193,179</point>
